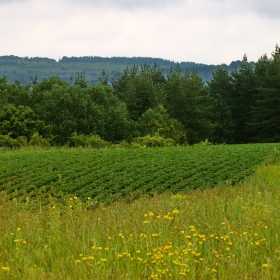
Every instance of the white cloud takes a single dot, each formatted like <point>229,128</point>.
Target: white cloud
<point>205,31</point>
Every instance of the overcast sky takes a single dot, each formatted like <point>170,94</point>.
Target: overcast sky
<point>202,31</point>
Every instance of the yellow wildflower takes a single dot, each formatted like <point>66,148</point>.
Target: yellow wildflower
<point>5,268</point>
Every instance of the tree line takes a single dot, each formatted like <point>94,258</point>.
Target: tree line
<point>237,107</point>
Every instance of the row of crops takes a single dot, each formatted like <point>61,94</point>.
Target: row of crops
<point>107,175</point>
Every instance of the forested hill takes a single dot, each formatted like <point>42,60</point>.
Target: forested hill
<point>24,69</point>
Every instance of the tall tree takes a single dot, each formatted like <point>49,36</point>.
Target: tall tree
<point>187,100</point>
<point>220,88</point>
<point>243,94</point>
<point>19,121</point>
<point>265,120</point>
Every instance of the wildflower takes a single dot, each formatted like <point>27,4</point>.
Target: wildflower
<point>154,234</point>
<point>77,261</point>
<point>18,229</point>
<point>175,211</point>
<point>89,198</point>
<point>146,222</point>
<point>75,197</point>
<point>151,214</point>
<point>265,265</point>
<point>5,268</point>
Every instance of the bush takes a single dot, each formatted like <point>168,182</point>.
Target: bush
<point>7,141</point>
<point>89,141</point>
<point>154,141</point>
<point>37,140</point>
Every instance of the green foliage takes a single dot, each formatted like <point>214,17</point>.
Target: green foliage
<point>188,101</point>
<point>8,142</point>
<point>21,121</point>
<point>220,89</point>
<point>108,174</point>
<point>265,118</point>
<point>89,141</point>
<point>35,140</point>
<point>22,68</point>
<point>154,141</point>
<point>204,143</point>
<point>82,109</point>
<point>244,87</point>
<point>157,120</point>
<point>139,89</point>
<point>38,141</point>
<point>239,107</point>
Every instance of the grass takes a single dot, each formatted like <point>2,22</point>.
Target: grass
<point>217,233</point>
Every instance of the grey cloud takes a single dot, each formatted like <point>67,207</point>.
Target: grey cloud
<point>130,4</point>
<point>267,8</point>
<point>264,8</point>
<point>13,1</point>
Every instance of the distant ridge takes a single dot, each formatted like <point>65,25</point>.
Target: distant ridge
<point>24,69</point>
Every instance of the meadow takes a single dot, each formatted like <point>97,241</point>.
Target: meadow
<point>226,230</point>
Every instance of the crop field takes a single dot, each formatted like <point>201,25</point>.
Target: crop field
<point>229,233</point>
<point>108,175</point>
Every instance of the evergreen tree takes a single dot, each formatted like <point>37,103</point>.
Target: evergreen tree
<point>220,88</point>
<point>243,93</point>
<point>187,100</point>
<point>265,120</point>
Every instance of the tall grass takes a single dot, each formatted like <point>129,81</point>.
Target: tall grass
<point>219,233</point>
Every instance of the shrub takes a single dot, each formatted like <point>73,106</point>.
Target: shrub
<point>154,141</point>
<point>89,141</point>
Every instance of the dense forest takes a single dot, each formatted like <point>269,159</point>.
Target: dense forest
<point>24,69</point>
<point>237,107</point>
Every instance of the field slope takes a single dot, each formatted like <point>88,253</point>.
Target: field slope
<point>107,175</point>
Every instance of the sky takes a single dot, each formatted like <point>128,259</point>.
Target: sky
<point>201,31</point>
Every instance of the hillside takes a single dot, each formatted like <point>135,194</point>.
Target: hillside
<point>24,69</point>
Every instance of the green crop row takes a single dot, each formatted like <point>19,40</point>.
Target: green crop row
<point>106,175</point>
